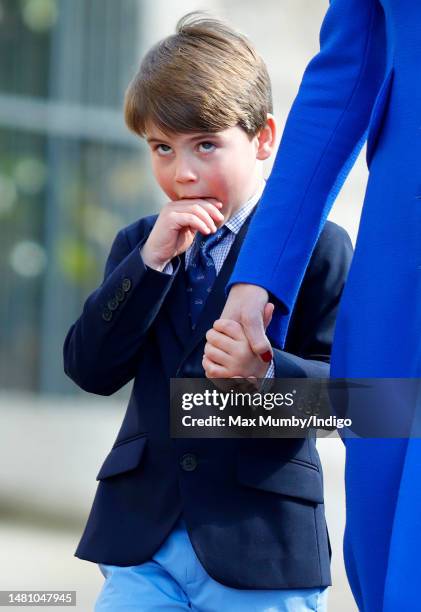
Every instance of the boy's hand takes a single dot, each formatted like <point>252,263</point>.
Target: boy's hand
<point>246,304</point>
<point>228,353</point>
<point>176,227</point>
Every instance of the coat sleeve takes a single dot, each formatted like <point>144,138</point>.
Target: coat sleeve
<point>310,334</point>
<point>101,350</point>
<point>323,135</point>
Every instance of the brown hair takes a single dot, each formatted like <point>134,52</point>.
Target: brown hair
<point>205,77</point>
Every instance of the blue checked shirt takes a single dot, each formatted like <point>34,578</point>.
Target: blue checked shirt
<point>221,250</point>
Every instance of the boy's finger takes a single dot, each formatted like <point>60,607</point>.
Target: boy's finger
<point>216,355</point>
<point>200,211</point>
<point>208,212</point>
<point>230,328</point>
<point>193,221</point>
<point>222,341</point>
<point>213,370</point>
<point>189,212</point>
<point>213,211</point>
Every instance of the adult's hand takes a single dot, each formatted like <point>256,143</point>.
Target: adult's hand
<point>248,305</point>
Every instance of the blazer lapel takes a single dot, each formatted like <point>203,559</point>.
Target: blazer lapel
<point>217,298</point>
<point>177,305</point>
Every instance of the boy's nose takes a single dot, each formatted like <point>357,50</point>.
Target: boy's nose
<point>185,173</point>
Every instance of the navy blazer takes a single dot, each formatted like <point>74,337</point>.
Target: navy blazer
<point>253,508</point>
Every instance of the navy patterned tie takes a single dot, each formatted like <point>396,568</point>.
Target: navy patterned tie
<point>201,271</point>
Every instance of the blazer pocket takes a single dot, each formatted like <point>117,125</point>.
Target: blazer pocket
<point>124,456</point>
<point>377,115</point>
<point>291,477</point>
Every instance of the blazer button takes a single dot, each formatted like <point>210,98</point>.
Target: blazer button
<point>188,462</point>
<point>119,294</point>
<point>113,304</point>
<point>107,315</point>
<point>126,284</point>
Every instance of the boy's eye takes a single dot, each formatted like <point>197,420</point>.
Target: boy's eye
<point>163,149</point>
<point>206,147</point>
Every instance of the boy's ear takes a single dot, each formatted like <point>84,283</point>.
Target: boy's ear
<point>266,138</point>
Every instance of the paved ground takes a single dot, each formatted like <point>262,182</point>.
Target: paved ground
<point>42,559</point>
<point>41,556</point>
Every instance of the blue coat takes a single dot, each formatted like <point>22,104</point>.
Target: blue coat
<point>253,508</point>
<point>366,77</point>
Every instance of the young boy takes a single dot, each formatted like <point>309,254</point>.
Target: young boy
<point>209,525</point>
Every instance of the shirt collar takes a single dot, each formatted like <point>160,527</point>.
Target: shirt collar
<point>236,221</point>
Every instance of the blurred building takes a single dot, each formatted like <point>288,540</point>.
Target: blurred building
<point>70,174</point>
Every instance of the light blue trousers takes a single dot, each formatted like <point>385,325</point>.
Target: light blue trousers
<point>174,580</point>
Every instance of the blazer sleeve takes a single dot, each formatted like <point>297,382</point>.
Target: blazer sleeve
<point>310,335</point>
<point>324,132</point>
<point>101,350</point>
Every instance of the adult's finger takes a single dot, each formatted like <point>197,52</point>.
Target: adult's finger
<point>267,314</point>
<point>246,305</point>
<point>254,329</point>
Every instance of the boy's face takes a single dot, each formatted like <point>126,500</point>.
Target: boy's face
<point>223,166</point>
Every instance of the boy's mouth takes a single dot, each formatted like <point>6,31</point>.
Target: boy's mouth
<point>199,197</point>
